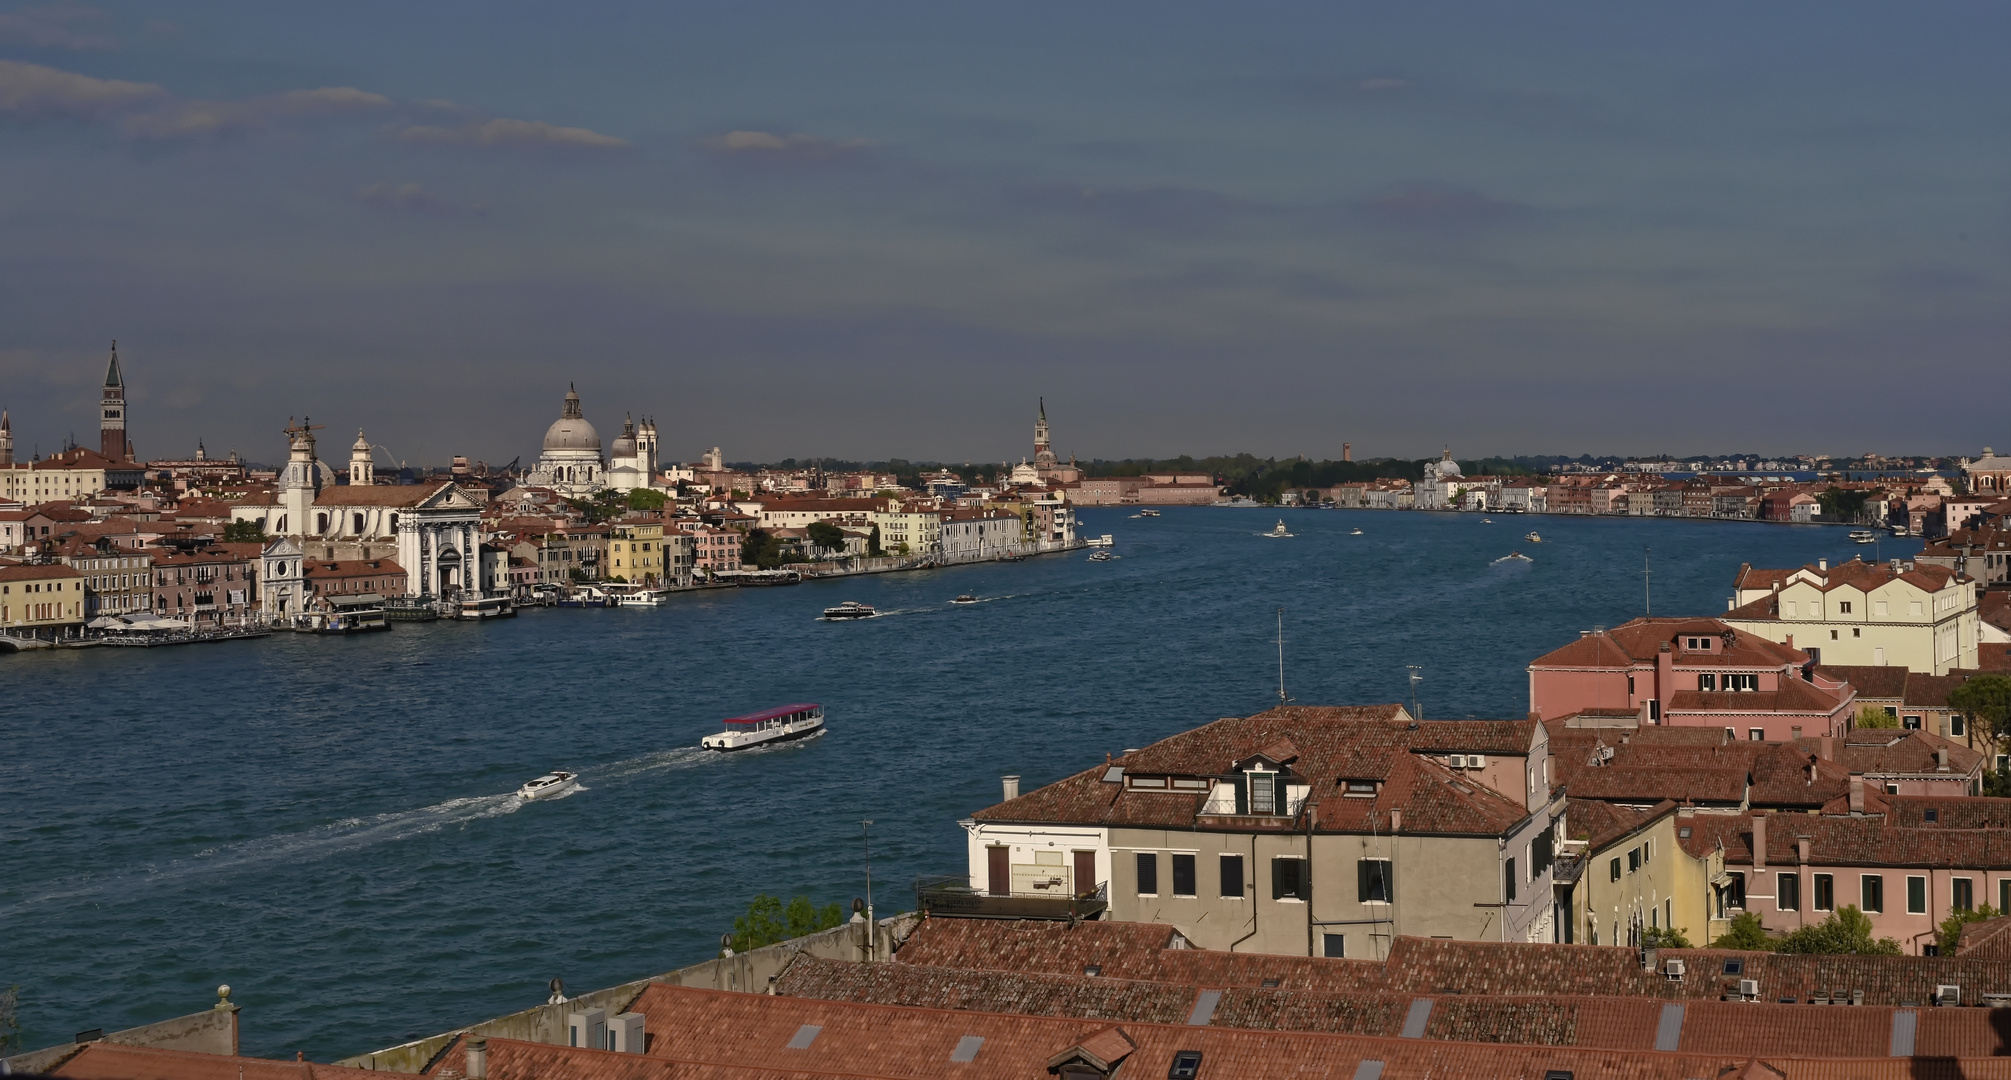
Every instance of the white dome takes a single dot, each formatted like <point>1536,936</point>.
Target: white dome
<point>571,430</point>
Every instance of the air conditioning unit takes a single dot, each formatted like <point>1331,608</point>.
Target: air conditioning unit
<point>1749,989</point>
<point>588,1029</point>
<point>1457,761</point>
<point>1947,995</point>
<point>1476,761</point>
<point>1674,970</point>
<point>625,1033</point>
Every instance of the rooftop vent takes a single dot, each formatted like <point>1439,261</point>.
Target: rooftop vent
<point>1011,787</point>
<point>804,1036</point>
<point>967,1049</point>
<point>1092,970</point>
<point>478,1058</point>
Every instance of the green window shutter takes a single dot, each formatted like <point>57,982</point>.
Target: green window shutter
<point>1242,794</point>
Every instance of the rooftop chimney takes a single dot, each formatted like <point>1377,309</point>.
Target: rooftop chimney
<point>1941,759</point>
<point>1857,793</point>
<point>1396,819</point>
<point>1828,744</point>
<point>1011,787</point>
<point>1802,849</point>
<point>1759,842</point>
<point>478,1058</point>
<point>1822,565</point>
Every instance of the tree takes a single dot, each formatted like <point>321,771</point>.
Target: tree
<point>1668,937</point>
<point>1986,701</point>
<point>1746,933</point>
<point>244,532</point>
<point>1847,930</point>
<point>645,499</point>
<point>1872,716</point>
<point>826,535</point>
<point>767,921</point>
<point>1950,931</point>
<point>1840,505</point>
<point>873,543</point>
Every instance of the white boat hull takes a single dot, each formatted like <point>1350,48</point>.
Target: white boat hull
<point>727,741</point>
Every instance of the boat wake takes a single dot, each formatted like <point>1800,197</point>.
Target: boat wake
<point>683,757</point>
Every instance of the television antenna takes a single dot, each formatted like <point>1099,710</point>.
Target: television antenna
<point>1647,583</point>
<point>1415,679</point>
<point>866,826</point>
<point>1282,699</point>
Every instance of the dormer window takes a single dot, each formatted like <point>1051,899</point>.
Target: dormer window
<point>1358,789</point>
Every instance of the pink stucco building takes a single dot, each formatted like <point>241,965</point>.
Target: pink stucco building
<point>1694,673</point>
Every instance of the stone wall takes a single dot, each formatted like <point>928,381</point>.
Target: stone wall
<point>212,1031</point>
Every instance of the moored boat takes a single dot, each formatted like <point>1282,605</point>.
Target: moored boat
<point>768,726</point>
<point>1101,541</point>
<point>1148,513</point>
<point>1532,538</point>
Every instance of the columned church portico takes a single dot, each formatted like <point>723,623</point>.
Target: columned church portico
<point>439,544</point>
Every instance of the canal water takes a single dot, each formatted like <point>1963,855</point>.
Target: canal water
<point>327,825</point>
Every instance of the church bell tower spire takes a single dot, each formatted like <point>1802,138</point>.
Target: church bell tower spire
<point>112,417</point>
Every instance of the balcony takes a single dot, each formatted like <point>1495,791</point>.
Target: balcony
<point>952,896</point>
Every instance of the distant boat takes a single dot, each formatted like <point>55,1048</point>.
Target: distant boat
<point>1101,556</point>
<point>1354,532</point>
<point>1148,513</point>
<point>769,726</point>
<point>965,598</point>
<point>549,784</point>
<point>1514,556</point>
<point>850,609</point>
<point>1532,538</point>
<point>1278,531</point>
<point>1487,521</point>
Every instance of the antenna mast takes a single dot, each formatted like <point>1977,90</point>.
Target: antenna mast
<point>1415,679</point>
<point>1647,581</point>
<point>1282,699</point>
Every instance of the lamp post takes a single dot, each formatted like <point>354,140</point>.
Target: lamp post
<point>866,830</point>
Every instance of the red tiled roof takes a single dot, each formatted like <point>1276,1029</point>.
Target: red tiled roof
<point>1639,641</point>
<point>1852,841</point>
<point>109,1061</point>
<point>1600,823</point>
<point>1870,682</point>
<point>379,494</point>
<point>38,573</point>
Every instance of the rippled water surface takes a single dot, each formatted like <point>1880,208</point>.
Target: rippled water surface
<point>326,824</point>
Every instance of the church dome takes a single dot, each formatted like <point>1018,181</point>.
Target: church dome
<point>571,430</point>
<point>624,444</point>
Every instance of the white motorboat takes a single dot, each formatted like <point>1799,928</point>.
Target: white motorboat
<point>1487,521</point>
<point>1148,513</point>
<point>640,597</point>
<point>1532,538</point>
<point>1354,532</point>
<point>850,609</point>
<point>552,783</point>
<point>965,598</point>
<point>1101,541</point>
<point>1101,556</point>
<point>1278,531</point>
<point>768,726</point>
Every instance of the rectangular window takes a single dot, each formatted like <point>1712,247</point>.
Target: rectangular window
<point>1825,892</point>
<point>2004,895</point>
<point>1288,880</point>
<point>1758,734</point>
<point>1916,896</point>
<point>1735,892</point>
<point>1373,884</point>
<point>1633,859</point>
<point>1335,945</point>
<point>1871,892</point>
<point>1844,606</point>
<point>1742,682</point>
<point>1183,875</point>
<point>1148,873</point>
<point>1962,894</point>
<point>1232,876</point>
<point>1508,881</point>
<point>1260,793</point>
<point>1613,869</point>
<point>1707,681</point>
<point>1788,892</point>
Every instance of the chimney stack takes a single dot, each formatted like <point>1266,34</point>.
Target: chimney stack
<point>1857,793</point>
<point>478,1058</point>
<point>1011,787</point>
<point>1759,843</point>
<point>1941,759</point>
<point>1396,819</point>
<point>1822,565</point>
<point>1829,748</point>
<point>1802,849</point>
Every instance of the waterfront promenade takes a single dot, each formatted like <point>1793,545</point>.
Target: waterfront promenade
<point>325,824</point>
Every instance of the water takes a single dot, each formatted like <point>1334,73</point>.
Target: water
<point>326,824</point>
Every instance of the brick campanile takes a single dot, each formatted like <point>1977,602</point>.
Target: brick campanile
<point>112,419</point>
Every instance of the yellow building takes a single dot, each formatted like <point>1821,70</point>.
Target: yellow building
<point>635,551</point>
<point>1893,614</point>
<point>1638,875</point>
<point>39,600</point>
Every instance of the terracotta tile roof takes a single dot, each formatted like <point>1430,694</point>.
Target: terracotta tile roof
<point>1563,736</point>
<point>1121,951</point>
<point>1994,607</point>
<point>1790,775</point>
<point>380,494</point>
<point>1891,751</point>
<point>1989,938</point>
<point>1930,691</point>
<point>1993,656</point>
<point>1089,998</point>
<point>1650,769</point>
<point>1871,682</point>
<point>1600,823</point>
<point>1639,641</point>
<point>1794,696</point>
<point>109,1061</point>
<point>1853,841</point>
<point>1950,811</point>
<point>1326,744</point>
<point>44,572</point>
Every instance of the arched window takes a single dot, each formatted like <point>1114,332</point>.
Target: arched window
<point>321,523</point>
<point>282,525</point>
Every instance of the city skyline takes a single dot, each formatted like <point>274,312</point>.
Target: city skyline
<point>882,232</point>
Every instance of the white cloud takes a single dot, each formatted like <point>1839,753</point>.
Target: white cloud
<point>199,119</point>
<point>34,92</point>
<point>759,145</point>
<point>531,134</point>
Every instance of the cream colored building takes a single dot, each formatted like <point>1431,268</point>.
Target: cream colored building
<point>1638,876</point>
<point>70,476</point>
<point>1896,614</point>
<point>41,600</point>
<point>921,531</point>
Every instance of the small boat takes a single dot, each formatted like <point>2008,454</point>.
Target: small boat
<point>1354,532</point>
<point>642,597</point>
<point>1148,513</point>
<point>965,598</point>
<point>1514,556</point>
<point>549,784</point>
<point>1532,538</point>
<point>768,726</point>
<point>1101,556</point>
<point>1487,521</point>
<point>850,609</point>
<point>1278,531</point>
<point>1101,541</point>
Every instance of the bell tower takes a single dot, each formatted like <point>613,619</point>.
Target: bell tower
<point>112,416</point>
<point>362,468</point>
<point>6,439</point>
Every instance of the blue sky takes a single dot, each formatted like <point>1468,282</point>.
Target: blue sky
<point>878,230</point>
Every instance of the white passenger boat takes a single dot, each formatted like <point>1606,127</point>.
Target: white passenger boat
<point>1278,531</point>
<point>549,784</point>
<point>1148,513</point>
<point>640,597</point>
<point>769,726</point>
<point>1514,556</point>
<point>850,609</point>
<point>1101,541</point>
<point>965,598</point>
<point>1101,556</point>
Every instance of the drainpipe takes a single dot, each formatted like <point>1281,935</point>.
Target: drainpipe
<point>1308,811</point>
<point>1254,878</point>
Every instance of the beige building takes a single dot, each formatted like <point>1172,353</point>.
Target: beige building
<point>904,532</point>
<point>1897,614</point>
<point>73,475</point>
<point>41,600</point>
<point>1638,878</point>
<point>1301,830</point>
